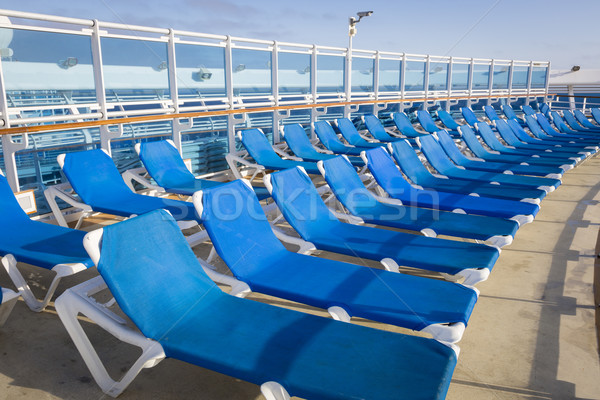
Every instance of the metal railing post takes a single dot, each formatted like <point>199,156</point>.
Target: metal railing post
<point>229,89</point>
<point>275,90</point>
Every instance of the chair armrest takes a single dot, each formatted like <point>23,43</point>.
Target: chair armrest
<point>136,175</point>
<point>60,191</point>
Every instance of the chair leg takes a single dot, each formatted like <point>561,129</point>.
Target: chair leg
<point>10,265</point>
<point>274,391</point>
<point>77,300</point>
<point>9,299</point>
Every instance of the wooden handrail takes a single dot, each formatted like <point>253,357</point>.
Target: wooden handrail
<point>148,118</point>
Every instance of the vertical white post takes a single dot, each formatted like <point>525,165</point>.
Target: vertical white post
<point>275,90</point>
<point>529,74</point>
<point>449,82</point>
<point>511,68</point>
<point>348,76</point>
<point>313,88</point>
<point>490,82</point>
<point>571,92</point>
<point>376,81</point>
<point>470,81</point>
<point>403,77</point>
<point>426,81</point>
<point>229,89</point>
<point>174,90</point>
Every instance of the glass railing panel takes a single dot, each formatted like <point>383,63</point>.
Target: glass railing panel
<point>389,75</point>
<point>330,74</point>
<point>206,145</point>
<point>294,73</point>
<point>481,76</point>
<point>501,76</point>
<point>438,75</point>
<point>519,77</point>
<point>460,76</point>
<point>414,76</point>
<point>251,72</point>
<point>538,77</point>
<point>362,74</point>
<point>200,71</point>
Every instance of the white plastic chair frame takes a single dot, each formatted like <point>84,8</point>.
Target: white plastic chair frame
<point>9,299</point>
<point>79,300</point>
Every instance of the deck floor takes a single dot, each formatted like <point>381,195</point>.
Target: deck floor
<point>532,334</point>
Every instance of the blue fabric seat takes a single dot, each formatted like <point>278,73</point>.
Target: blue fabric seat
<point>350,133</point>
<point>95,178</point>
<point>490,166</point>
<point>410,164</point>
<point>559,141</point>
<point>297,140</point>
<point>37,243</point>
<point>564,133</point>
<point>329,139</point>
<point>584,121</point>
<point>173,302</point>
<point>405,127</point>
<point>387,175</point>
<point>244,240</point>
<point>469,116</point>
<point>448,121</point>
<point>439,160</point>
<point>491,113</point>
<point>377,130</point>
<point>510,113</point>
<point>575,124</point>
<point>165,165</point>
<point>426,121</point>
<point>595,114</point>
<point>304,210</point>
<point>521,143</point>
<point>527,109</point>
<point>258,146</point>
<point>477,148</point>
<point>359,201</point>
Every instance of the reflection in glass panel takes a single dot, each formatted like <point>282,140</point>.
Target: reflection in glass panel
<point>519,78</point>
<point>251,72</point>
<point>414,76</point>
<point>135,69</point>
<point>362,74</point>
<point>460,76</point>
<point>538,77</point>
<point>294,73</point>
<point>438,76</point>
<point>389,75</point>
<point>200,71</point>
<point>481,76</point>
<point>206,144</point>
<point>330,74</point>
<point>500,78</point>
<point>42,68</point>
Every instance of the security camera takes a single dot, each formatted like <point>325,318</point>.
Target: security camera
<point>364,13</point>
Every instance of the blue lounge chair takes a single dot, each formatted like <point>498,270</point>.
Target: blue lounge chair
<point>527,109</point>
<point>448,121</point>
<point>8,299</point>
<point>469,116</point>
<point>299,143</point>
<point>178,312</point>
<point>258,146</point>
<point>576,125</point>
<point>392,181</point>
<point>565,126</point>
<point>545,108</point>
<point>309,216</point>
<point>510,113</point>
<point>329,139</point>
<point>350,133</point>
<point>561,142</point>
<point>410,164</point>
<point>564,132</point>
<point>165,165</point>
<point>595,114</point>
<point>37,243</point>
<point>520,144</point>
<point>459,158</point>
<point>377,130</point>
<point>584,121</point>
<point>439,160</point>
<point>551,165</point>
<point>405,127</point>
<point>426,121</point>
<point>360,202</point>
<point>95,178</point>
<point>491,113</point>
<point>244,240</point>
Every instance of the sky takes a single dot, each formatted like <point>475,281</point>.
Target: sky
<point>559,31</point>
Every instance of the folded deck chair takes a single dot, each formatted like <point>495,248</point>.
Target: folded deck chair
<point>178,312</point>
<point>377,130</point>
<point>309,216</point>
<point>406,127</point>
<point>37,243</point>
<point>448,121</point>
<point>575,124</point>
<point>584,121</point>
<point>8,299</point>
<point>165,165</point>
<point>258,146</point>
<point>329,139</point>
<point>438,158</point>
<point>516,144</point>
<point>244,240</point>
<point>527,109</point>
<point>469,116</point>
<point>579,137</point>
<point>472,142</point>
<point>490,113</point>
<point>299,143</point>
<point>410,164</point>
<point>459,158</point>
<point>95,178</point>
<point>350,133</point>
<point>389,177</point>
<point>360,202</point>
<point>510,113</point>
